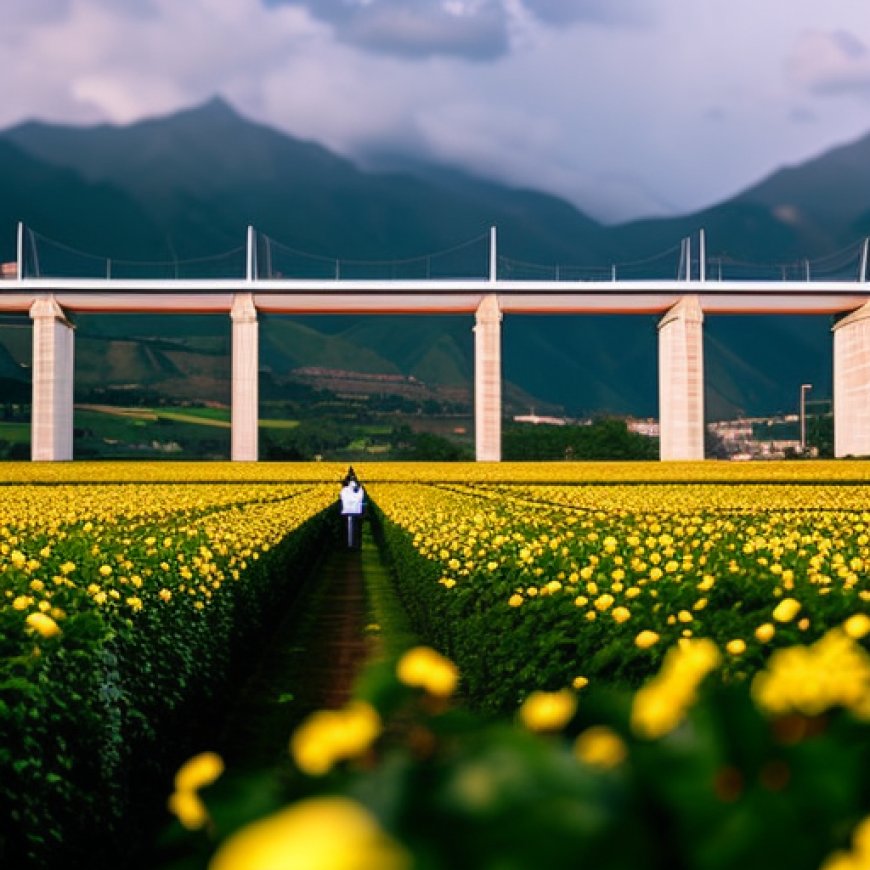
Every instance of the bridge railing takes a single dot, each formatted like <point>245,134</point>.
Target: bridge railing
<point>266,258</point>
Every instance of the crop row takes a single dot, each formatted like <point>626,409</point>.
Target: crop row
<point>545,587</point>
<point>121,608</point>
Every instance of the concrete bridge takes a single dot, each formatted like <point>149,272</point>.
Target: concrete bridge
<point>681,304</point>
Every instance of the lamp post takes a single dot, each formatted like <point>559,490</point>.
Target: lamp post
<point>805,388</point>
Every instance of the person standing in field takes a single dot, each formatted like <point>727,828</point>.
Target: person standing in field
<point>352,497</point>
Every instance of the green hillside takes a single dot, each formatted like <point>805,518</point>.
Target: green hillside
<point>188,185</point>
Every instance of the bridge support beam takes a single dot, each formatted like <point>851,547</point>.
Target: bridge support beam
<point>487,380</point>
<point>852,384</point>
<point>244,434</point>
<point>51,427</point>
<point>681,381</point>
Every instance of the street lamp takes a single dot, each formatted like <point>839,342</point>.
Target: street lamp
<point>805,388</point>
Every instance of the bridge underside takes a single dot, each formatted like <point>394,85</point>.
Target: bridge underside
<point>681,305</point>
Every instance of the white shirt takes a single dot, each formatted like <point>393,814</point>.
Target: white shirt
<point>352,497</point>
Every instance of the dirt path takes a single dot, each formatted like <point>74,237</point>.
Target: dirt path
<point>311,660</point>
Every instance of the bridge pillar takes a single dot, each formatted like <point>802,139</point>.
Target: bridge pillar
<point>852,384</point>
<point>51,426</point>
<point>245,387</point>
<point>487,380</point>
<point>681,381</point>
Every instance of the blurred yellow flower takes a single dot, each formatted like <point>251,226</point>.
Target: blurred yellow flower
<point>660,705</point>
<point>199,771</point>
<point>858,858</point>
<point>43,624</point>
<point>196,773</point>
<point>188,808</point>
<point>857,626</point>
<point>736,647</point>
<point>834,671</point>
<point>515,600</point>
<point>329,736</point>
<point>424,668</point>
<point>786,610</point>
<point>765,632</point>
<point>324,833</point>
<point>548,711</point>
<point>646,638</point>
<point>600,746</point>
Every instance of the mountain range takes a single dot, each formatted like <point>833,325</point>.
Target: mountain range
<point>183,189</point>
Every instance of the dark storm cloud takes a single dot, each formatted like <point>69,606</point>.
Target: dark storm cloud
<point>473,29</point>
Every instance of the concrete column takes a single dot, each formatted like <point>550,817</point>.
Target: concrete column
<point>245,388</point>
<point>681,381</point>
<point>487,380</point>
<point>852,384</point>
<point>51,426</point>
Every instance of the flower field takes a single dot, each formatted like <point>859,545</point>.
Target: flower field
<point>697,632</point>
<point>544,586</point>
<point>121,608</point>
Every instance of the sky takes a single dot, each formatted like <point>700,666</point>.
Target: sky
<point>627,108</point>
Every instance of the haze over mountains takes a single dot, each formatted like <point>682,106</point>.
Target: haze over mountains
<point>187,186</point>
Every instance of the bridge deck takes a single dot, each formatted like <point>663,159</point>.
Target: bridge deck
<point>434,296</point>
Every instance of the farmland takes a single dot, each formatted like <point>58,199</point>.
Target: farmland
<point>128,591</point>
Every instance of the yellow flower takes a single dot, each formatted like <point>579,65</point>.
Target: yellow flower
<point>600,746</point>
<point>659,706</point>
<point>188,807</point>
<point>328,736</point>
<point>199,771</point>
<point>834,671</point>
<point>515,600</point>
<point>857,626</point>
<point>786,610</point>
<point>580,682</point>
<point>106,570</point>
<point>548,711</point>
<point>324,833</point>
<point>22,602</point>
<point>43,624</point>
<point>646,638</point>
<point>736,647</point>
<point>621,614</point>
<point>424,668</point>
<point>859,856</point>
<point>765,632</point>
<point>604,601</point>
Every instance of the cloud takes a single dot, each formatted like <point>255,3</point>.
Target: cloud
<point>606,12</point>
<point>830,63</point>
<point>103,60</point>
<point>480,30</point>
<point>472,29</point>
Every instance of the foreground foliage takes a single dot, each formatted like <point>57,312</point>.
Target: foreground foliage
<point>400,778</point>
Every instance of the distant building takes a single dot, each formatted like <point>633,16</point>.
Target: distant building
<point>648,427</point>
<point>537,420</point>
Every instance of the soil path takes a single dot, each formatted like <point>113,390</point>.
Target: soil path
<point>311,660</point>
